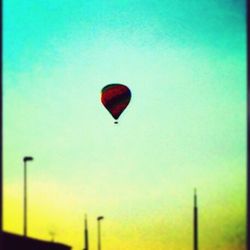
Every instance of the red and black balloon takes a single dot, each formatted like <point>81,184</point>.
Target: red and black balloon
<point>115,97</point>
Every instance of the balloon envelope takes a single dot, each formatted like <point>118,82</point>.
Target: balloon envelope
<point>115,98</point>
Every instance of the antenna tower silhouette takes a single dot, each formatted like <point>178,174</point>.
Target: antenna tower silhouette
<point>195,221</point>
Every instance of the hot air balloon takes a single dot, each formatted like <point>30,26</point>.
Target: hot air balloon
<point>115,98</point>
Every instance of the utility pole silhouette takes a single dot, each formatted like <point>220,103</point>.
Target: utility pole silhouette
<point>86,234</point>
<point>52,234</point>
<point>195,221</point>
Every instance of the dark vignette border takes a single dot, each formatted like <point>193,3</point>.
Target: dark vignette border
<point>248,128</point>
<point>247,123</point>
<point>1,123</point>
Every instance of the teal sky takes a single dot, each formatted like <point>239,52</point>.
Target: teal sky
<point>185,63</point>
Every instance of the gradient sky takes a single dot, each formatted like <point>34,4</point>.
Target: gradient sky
<point>185,63</point>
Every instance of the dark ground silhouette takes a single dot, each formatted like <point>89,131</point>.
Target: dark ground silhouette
<point>15,242</point>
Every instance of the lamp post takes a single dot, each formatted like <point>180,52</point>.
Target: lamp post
<point>25,160</point>
<point>99,231</point>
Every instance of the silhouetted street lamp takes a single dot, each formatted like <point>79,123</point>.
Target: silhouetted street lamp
<point>99,231</point>
<point>25,159</point>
